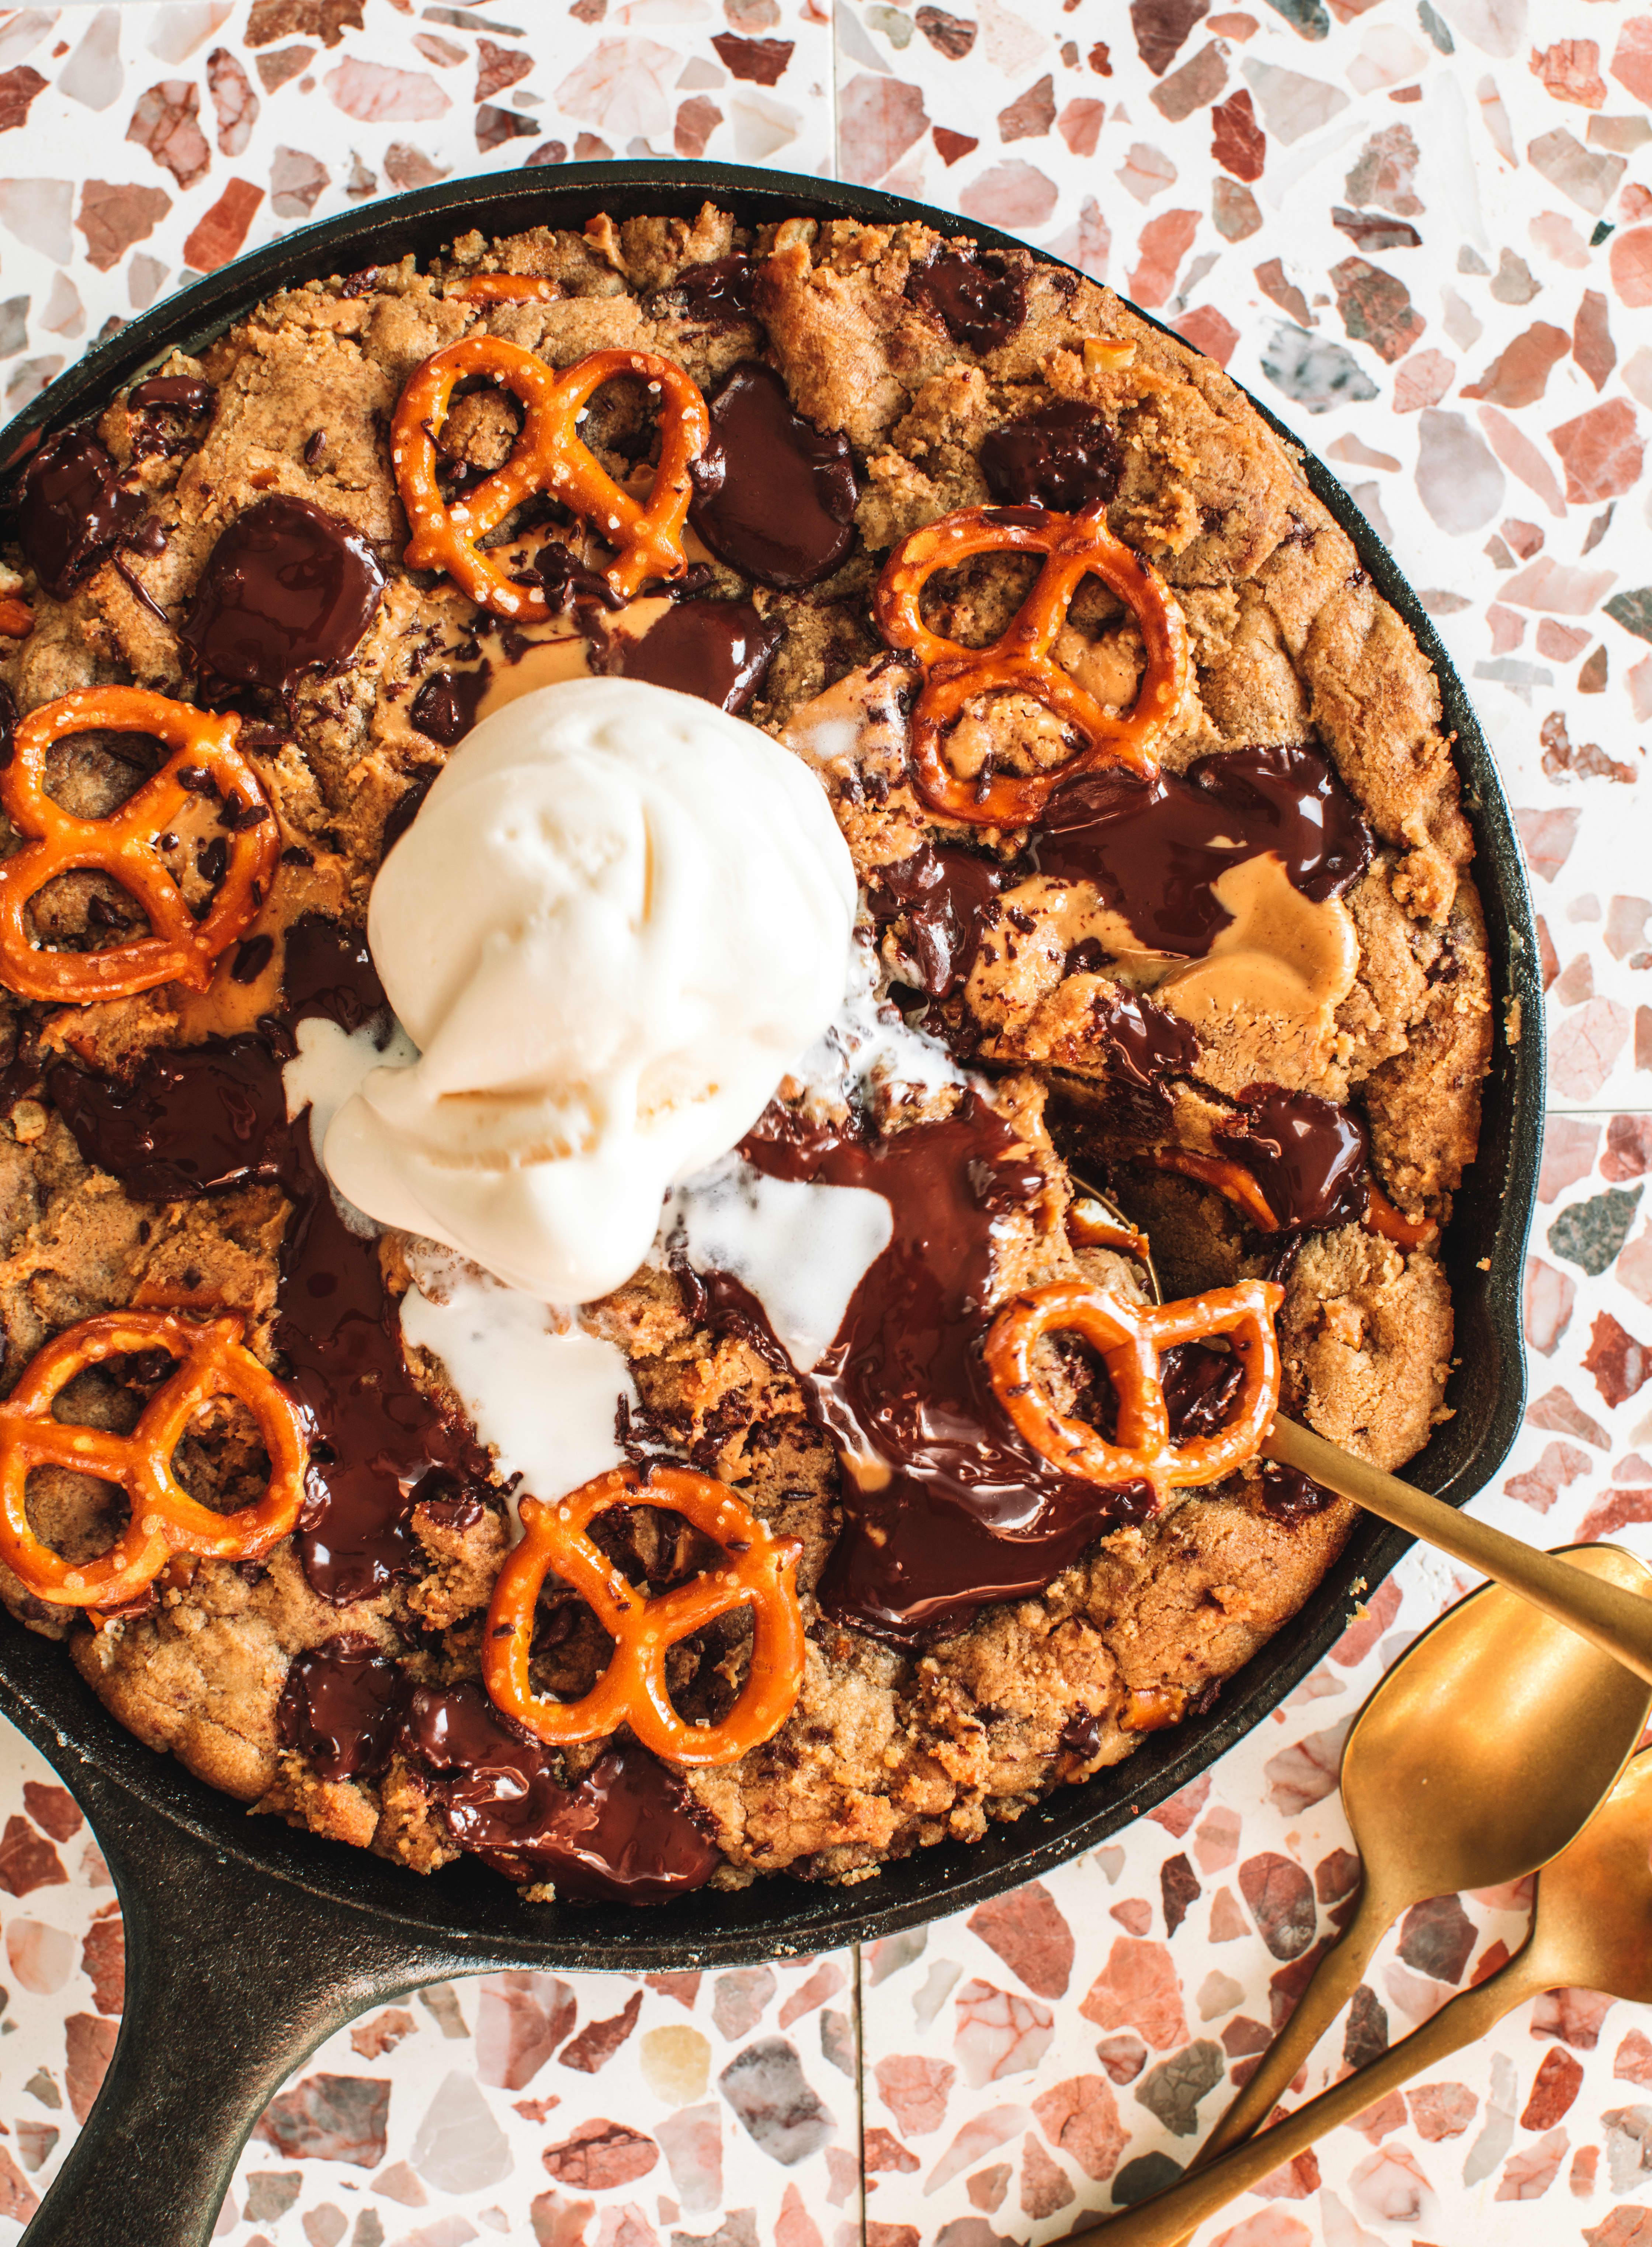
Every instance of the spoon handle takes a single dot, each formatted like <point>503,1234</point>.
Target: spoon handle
<point>1619,1622</point>
<point>1335,1980</point>
<point>1171,2216</point>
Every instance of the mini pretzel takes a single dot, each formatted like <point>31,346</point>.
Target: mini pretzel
<point>1130,1340</point>
<point>1078,546</point>
<point>165,1520</point>
<point>633,1689</point>
<point>549,455</point>
<point>179,948</point>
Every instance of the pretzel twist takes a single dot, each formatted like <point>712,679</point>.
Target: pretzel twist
<point>179,949</point>
<point>1129,1339</point>
<point>549,455</point>
<point>164,1520</point>
<point>1019,662</point>
<point>633,1689</point>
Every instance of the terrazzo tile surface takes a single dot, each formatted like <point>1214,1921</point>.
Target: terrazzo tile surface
<point>1423,234</point>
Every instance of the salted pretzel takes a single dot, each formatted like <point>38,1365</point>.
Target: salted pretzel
<point>179,948</point>
<point>633,1689</point>
<point>1128,1338</point>
<point>165,1520</point>
<point>549,455</point>
<point>1019,662</point>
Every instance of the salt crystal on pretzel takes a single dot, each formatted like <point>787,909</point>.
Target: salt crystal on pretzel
<point>179,948</point>
<point>1019,661</point>
<point>632,1691</point>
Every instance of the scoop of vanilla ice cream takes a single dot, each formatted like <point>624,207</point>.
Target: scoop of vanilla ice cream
<point>619,919</point>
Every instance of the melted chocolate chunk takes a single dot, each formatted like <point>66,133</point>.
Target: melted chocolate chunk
<point>72,510</point>
<point>943,898</point>
<point>1064,457</point>
<point>445,707</point>
<point>1310,1158</point>
<point>980,298</point>
<point>288,589</point>
<point>953,1510</point>
<point>1289,1495</point>
<point>341,1706</point>
<point>714,296</point>
<point>1200,1384</point>
<point>1155,849</point>
<point>626,1832</point>
<point>165,405</point>
<point>719,650</point>
<point>775,496</point>
<point>1145,1043</point>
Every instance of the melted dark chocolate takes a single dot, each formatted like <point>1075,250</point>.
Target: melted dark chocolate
<point>719,650</point>
<point>1200,1385</point>
<point>288,589</point>
<point>1154,849</point>
<point>1064,457</point>
<point>626,1832</point>
<point>981,300</point>
<point>1145,1043</point>
<point>188,1123</point>
<point>71,509</point>
<point>943,898</point>
<point>968,1513</point>
<point>1310,1158</point>
<point>341,1706</point>
<point>774,496</point>
<point>714,296</point>
<point>445,707</point>
<point>164,407</point>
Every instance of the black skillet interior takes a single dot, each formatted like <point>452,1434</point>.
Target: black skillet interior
<point>416,1927</point>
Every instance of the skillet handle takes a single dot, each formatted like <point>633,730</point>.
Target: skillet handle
<point>233,1979</point>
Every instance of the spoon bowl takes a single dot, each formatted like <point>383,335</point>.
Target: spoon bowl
<point>1479,1757</point>
<point>1591,1929</point>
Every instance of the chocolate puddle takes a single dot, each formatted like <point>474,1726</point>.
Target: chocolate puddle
<point>952,1509</point>
<point>1154,849</point>
<point>626,1832</point>
<point>718,649</point>
<point>1310,1158</point>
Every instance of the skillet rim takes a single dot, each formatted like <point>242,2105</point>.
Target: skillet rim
<point>473,1911</point>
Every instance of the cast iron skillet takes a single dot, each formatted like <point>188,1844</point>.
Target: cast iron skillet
<point>248,1943</point>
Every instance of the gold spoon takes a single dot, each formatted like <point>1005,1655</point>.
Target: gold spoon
<point>1591,1929</point>
<point>1610,1617</point>
<point>1482,1754</point>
